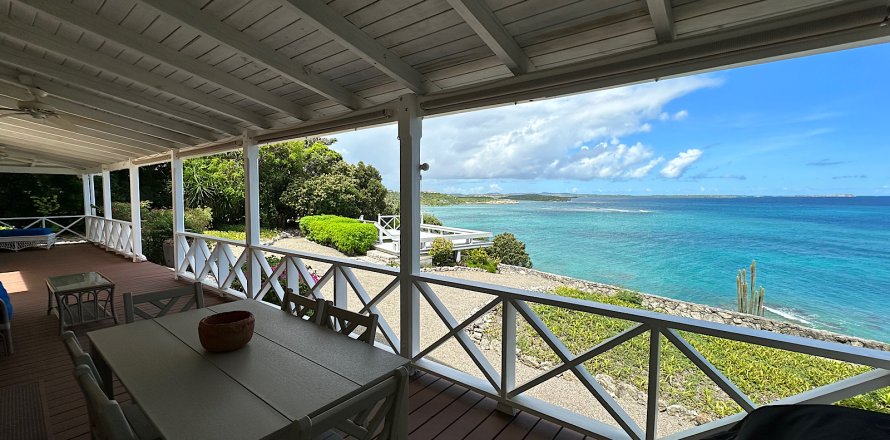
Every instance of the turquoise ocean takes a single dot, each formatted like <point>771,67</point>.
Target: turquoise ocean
<point>824,262</point>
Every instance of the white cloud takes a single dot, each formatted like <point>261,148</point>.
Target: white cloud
<point>538,140</point>
<point>495,188</point>
<point>677,166</point>
<point>681,115</point>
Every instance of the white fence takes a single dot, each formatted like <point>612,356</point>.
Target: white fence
<point>64,223</point>
<point>226,265</point>
<point>113,235</point>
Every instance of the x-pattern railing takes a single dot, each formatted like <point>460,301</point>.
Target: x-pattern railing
<point>42,222</point>
<point>213,261</point>
<point>516,301</point>
<point>113,235</point>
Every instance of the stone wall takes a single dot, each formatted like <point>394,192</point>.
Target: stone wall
<point>707,313</point>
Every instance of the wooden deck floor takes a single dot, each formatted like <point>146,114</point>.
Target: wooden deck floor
<point>439,409</point>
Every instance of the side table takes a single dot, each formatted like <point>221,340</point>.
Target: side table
<point>79,298</point>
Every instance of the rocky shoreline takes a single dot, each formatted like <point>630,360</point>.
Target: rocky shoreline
<point>699,311</point>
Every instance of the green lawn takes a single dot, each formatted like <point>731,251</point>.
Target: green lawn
<point>236,232</point>
<point>764,374</point>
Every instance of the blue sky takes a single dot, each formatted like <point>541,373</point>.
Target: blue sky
<point>812,125</point>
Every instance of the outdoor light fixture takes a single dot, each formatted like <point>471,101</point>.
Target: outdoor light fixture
<point>424,167</point>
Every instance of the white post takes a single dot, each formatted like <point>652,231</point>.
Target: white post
<point>108,230</point>
<point>89,196</point>
<point>178,210</point>
<point>135,214</point>
<point>410,124</point>
<point>106,193</point>
<point>251,154</point>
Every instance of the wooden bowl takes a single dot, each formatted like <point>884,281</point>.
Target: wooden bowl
<point>226,331</point>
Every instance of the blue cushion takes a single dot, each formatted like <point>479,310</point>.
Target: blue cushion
<point>4,296</point>
<point>25,232</point>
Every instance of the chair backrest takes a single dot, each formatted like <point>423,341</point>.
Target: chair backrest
<point>347,323</point>
<point>162,302</point>
<point>303,307</point>
<point>374,411</point>
<point>78,356</point>
<point>107,420</point>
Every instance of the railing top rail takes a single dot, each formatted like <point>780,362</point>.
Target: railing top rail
<point>832,350</point>
<point>42,216</point>
<point>452,229</point>
<point>213,238</point>
<point>355,264</point>
<point>123,222</point>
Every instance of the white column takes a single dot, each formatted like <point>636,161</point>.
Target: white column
<point>106,193</point>
<point>178,210</point>
<point>410,122</point>
<point>89,197</point>
<point>108,229</point>
<point>251,154</point>
<point>135,214</point>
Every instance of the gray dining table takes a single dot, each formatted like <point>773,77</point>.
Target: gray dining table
<point>290,369</point>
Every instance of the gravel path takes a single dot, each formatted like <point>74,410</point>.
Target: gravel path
<point>566,392</point>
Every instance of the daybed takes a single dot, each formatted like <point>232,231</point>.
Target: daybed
<point>17,239</point>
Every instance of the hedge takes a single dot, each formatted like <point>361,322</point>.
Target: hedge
<point>347,235</point>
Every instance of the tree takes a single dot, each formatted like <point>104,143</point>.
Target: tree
<point>334,194</point>
<point>510,250</point>
<point>371,192</point>
<point>280,164</point>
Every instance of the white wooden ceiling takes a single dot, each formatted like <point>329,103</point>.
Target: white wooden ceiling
<point>137,78</point>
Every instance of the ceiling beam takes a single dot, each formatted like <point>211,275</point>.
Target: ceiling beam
<point>25,149</point>
<point>111,106</point>
<point>37,37</point>
<point>88,112</point>
<point>26,122</point>
<point>662,19</point>
<point>483,21</point>
<point>90,147</point>
<point>38,170</point>
<point>74,77</point>
<point>89,21</point>
<point>56,150</point>
<point>205,24</point>
<point>330,22</point>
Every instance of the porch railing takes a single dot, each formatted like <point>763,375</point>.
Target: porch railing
<point>64,223</point>
<point>220,263</point>
<point>114,235</point>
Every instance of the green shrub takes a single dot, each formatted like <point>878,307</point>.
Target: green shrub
<point>347,235</point>
<point>510,250</point>
<point>442,252</point>
<point>157,226</point>
<point>630,297</point>
<point>479,258</point>
<point>46,205</point>
<point>429,219</point>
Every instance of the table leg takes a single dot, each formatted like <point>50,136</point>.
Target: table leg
<point>104,372</point>
<point>113,312</point>
<point>49,301</point>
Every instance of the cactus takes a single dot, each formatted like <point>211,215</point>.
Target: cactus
<point>750,300</point>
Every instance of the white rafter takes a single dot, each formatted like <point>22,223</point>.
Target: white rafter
<point>480,18</point>
<point>325,19</point>
<point>86,117</point>
<point>47,41</point>
<point>662,19</point>
<point>88,21</point>
<point>80,79</point>
<point>240,42</point>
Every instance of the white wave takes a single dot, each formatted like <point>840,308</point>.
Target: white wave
<point>626,211</point>
<point>787,315</point>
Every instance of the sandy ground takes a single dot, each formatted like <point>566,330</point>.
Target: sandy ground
<point>565,392</point>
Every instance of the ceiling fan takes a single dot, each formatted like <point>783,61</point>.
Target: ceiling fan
<point>36,108</point>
